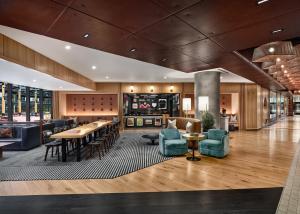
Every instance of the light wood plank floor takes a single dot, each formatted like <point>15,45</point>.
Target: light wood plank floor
<point>257,159</point>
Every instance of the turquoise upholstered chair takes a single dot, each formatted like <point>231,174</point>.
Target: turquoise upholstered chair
<point>171,143</point>
<point>216,143</point>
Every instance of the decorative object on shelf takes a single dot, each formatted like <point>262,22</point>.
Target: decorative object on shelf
<point>134,106</point>
<point>154,105</point>
<point>186,105</point>
<point>148,121</point>
<point>139,121</point>
<point>157,122</point>
<point>207,121</point>
<point>162,103</point>
<point>130,121</point>
<point>144,105</point>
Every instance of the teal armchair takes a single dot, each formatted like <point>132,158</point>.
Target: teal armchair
<point>171,143</point>
<point>216,143</point>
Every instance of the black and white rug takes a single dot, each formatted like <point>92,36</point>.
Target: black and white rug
<point>130,153</point>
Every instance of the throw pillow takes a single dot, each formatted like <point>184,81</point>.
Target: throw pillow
<point>6,133</point>
<point>172,124</point>
<point>189,127</point>
<point>233,118</point>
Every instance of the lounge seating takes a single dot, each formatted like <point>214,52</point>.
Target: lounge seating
<point>216,143</point>
<point>171,143</point>
<point>25,137</point>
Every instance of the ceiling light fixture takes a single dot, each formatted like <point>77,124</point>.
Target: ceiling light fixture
<point>33,80</point>
<point>277,31</point>
<point>164,59</point>
<point>94,67</point>
<point>278,59</point>
<point>68,47</point>
<point>285,71</point>
<point>259,2</point>
<point>86,35</point>
<point>281,66</point>
<point>271,50</point>
<point>107,77</point>
<point>132,49</point>
<point>60,87</point>
<point>165,77</point>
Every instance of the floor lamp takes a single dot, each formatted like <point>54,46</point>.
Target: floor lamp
<point>186,105</point>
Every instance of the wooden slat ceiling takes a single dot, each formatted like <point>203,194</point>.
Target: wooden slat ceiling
<point>186,35</point>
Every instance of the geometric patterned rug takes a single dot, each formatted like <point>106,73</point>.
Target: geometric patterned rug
<point>130,153</point>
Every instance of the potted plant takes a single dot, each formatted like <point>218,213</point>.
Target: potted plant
<point>207,121</point>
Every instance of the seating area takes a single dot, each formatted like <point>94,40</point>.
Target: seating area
<point>150,96</point>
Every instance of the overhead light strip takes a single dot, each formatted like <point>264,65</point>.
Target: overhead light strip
<point>262,1</point>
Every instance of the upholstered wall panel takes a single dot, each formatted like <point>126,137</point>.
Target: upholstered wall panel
<point>92,104</point>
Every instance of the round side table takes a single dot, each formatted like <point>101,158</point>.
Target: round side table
<point>193,138</point>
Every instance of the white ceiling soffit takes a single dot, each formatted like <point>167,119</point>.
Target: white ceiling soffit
<point>20,75</point>
<point>109,67</point>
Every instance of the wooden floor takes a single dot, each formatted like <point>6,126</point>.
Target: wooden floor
<point>258,159</point>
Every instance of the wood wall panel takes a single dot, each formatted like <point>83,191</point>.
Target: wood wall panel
<point>16,52</point>
<point>146,87</point>
<point>108,87</point>
<point>225,102</point>
<point>252,113</point>
<point>1,44</point>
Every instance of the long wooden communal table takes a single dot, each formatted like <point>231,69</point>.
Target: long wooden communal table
<point>79,133</point>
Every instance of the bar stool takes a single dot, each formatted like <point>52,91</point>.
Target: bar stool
<point>51,146</point>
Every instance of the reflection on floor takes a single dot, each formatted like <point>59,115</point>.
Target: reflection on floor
<point>258,159</point>
<point>218,201</point>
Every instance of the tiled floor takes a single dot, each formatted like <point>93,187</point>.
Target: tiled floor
<point>290,198</point>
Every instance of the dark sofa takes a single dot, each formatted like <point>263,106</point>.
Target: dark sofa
<point>25,137</point>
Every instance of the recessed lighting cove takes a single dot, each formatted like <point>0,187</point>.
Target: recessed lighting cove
<point>68,47</point>
<point>261,1</point>
<point>94,67</point>
<point>277,31</point>
<point>86,35</point>
<point>271,50</point>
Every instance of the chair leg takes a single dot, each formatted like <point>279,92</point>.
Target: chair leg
<point>57,149</point>
<point>98,148</point>
<point>47,150</point>
<point>52,151</point>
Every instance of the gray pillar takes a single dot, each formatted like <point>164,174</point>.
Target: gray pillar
<point>207,84</point>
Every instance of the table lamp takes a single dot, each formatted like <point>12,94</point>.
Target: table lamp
<point>186,105</point>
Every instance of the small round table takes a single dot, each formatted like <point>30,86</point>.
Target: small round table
<point>151,137</point>
<point>193,138</point>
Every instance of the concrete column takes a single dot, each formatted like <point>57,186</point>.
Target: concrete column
<point>207,83</point>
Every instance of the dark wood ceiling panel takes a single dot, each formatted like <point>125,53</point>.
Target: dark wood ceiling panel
<point>30,15</point>
<point>261,33</point>
<point>131,15</point>
<point>172,32</point>
<point>205,49</point>
<point>191,66</point>
<point>64,2</point>
<point>213,17</point>
<point>100,34</point>
<point>175,5</point>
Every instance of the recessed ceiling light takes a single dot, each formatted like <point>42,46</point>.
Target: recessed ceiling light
<point>278,59</point>
<point>94,67</point>
<point>277,31</point>
<point>271,50</point>
<point>261,1</point>
<point>60,87</point>
<point>285,71</point>
<point>164,59</point>
<point>221,77</point>
<point>132,49</point>
<point>33,80</point>
<point>282,66</point>
<point>107,77</point>
<point>86,35</point>
<point>68,47</point>
<point>165,77</point>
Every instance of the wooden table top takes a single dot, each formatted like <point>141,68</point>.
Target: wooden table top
<point>81,131</point>
<point>190,136</point>
<point>5,143</point>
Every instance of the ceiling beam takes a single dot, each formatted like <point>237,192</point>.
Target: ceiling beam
<point>15,52</point>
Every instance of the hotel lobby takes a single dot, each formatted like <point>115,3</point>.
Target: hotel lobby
<point>153,106</point>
